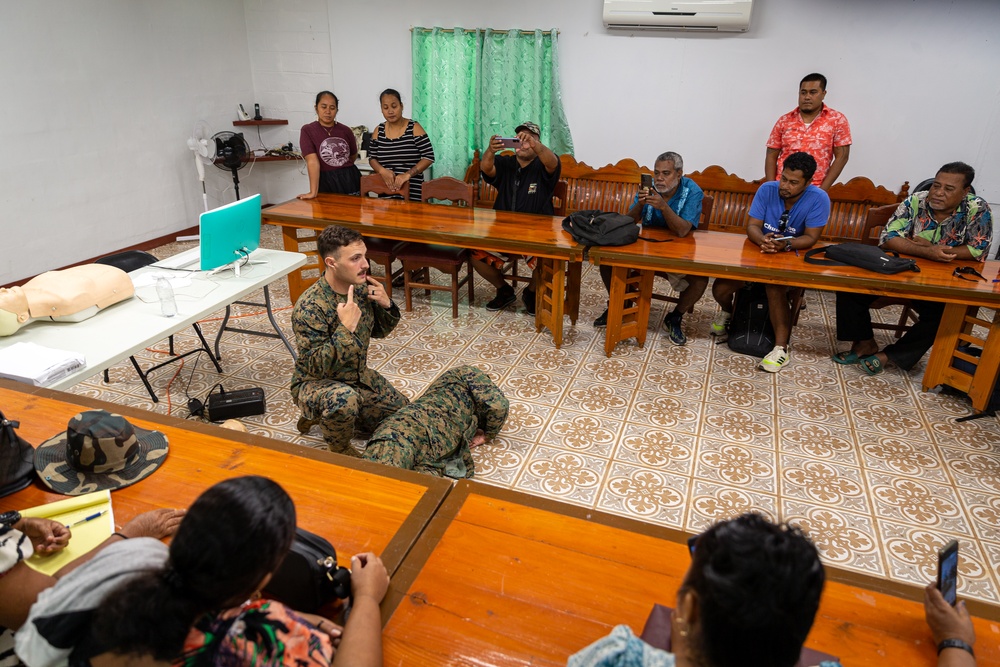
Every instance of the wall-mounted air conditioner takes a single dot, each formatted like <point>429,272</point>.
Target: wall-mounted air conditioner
<point>694,15</point>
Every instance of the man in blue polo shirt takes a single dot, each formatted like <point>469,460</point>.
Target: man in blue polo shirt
<point>674,204</point>
<point>786,215</point>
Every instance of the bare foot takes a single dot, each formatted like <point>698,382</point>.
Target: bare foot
<point>478,439</point>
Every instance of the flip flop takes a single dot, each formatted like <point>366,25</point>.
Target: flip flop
<point>872,365</point>
<point>848,358</point>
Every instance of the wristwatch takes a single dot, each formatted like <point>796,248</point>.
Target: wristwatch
<point>954,642</point>
<point>788,245</point>
<point>10,518</point>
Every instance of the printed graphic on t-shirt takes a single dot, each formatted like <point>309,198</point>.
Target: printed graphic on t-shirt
<point>334,151</point>
<point>533,188</point>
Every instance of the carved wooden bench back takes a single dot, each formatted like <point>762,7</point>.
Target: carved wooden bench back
<point>612,188</point>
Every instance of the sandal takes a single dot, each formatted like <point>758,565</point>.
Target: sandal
<point>872,365</point>
<point>848,358</point>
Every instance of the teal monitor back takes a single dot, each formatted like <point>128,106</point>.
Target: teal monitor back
<point>229,232</point>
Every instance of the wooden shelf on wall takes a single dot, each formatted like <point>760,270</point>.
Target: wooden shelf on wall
<point>264,121</point>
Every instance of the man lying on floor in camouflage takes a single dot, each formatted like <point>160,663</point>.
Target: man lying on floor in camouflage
<point>434,434</point>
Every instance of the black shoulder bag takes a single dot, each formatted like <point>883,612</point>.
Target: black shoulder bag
<point>863,255</point>
<point>17,458</point>
<point>309,578</point>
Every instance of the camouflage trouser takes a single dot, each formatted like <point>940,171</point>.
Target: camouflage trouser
<point>341,409</point>
<point>432,433</point>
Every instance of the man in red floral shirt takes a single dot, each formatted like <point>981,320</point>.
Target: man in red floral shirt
<point>813,128</point>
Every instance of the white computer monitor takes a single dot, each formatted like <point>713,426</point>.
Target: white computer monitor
<point>229,233</point>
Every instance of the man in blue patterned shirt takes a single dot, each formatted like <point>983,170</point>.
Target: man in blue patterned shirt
<point>944,224</point>
<point>674,203</point>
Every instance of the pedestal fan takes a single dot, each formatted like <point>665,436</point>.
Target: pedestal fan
<point>231,153</point>
<point>200,142</point>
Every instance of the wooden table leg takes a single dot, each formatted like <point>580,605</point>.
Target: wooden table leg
<point>628,306</point>
<point>551,297</point>
<point>573,273</point>
<point>296,283</point>
<point>956,328</point>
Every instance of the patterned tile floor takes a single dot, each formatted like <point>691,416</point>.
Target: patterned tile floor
<point>875,469</point>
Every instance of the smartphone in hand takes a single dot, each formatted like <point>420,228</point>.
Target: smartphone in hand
<point>510,142</point>
<point>646,182</point>
<point>947,577</point>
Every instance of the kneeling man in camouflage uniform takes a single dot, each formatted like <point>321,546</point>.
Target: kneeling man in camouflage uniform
<point>334,320</point>
<point>462,408</point>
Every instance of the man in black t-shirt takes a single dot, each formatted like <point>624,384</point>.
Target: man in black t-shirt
<point>524,183</point>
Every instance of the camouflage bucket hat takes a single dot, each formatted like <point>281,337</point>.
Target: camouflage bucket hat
<point>529,126</point>
<point>99,450</point>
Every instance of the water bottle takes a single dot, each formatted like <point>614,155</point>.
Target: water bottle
<point>168,306</point>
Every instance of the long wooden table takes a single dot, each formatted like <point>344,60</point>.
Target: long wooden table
<point>358,506</point>
<point>503,578</point>
<point>726,255</point>
<point>464,227</point>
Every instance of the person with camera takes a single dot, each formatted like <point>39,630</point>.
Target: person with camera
<point>944,224</point>
<point>524,182</point>
<point>670,201</point>
<point>197,602</point>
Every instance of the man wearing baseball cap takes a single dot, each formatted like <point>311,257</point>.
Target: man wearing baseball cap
<point>524,182</point>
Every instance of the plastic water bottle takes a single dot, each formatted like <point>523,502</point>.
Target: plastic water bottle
<point>168,306</point>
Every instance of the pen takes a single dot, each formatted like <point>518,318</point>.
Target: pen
<point>86,519</point>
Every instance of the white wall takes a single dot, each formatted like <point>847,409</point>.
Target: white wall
<point>100,96</point>
<point>917,79</point>
<point>99,100</point>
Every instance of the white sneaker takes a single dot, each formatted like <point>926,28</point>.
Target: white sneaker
<point>720,323</point>
<point>776,359</point>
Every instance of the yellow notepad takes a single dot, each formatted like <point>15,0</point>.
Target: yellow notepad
<point>85,536</point>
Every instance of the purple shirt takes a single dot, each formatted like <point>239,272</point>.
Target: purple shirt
<point>333,145</point>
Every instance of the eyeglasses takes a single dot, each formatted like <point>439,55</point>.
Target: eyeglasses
<point>964,271</point>
<point>783,222</point>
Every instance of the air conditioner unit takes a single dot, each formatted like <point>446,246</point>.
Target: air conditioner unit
<point>692,15</point>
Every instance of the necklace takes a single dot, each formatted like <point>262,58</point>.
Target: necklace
<point>329,130</point>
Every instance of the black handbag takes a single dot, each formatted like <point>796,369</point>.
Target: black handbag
<point>309,578</point>
<point>17,458</point>
<point>861,254</point>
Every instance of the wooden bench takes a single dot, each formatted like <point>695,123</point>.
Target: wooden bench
<point>613,187</point>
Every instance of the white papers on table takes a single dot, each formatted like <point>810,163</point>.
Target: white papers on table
<point>37,364</point>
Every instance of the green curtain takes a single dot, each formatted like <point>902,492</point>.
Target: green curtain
<point>471,84</point>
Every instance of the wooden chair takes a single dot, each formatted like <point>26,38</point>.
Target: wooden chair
<point>419,258</point>
<point>875,220</point>
<point>383,251</point>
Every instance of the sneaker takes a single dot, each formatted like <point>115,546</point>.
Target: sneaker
<point>528,297</point>
<point>721,323</point>
<point>672,327</point>
<point>505,297</point>
<point>776,359</point>
<point>602,321</point>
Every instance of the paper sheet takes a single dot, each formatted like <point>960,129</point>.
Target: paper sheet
<point>84,537</point>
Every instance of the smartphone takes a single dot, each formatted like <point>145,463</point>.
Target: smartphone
<point>783,238</point>
<point>947,578</point>
<point>510,142</point>
<point>646,182</point>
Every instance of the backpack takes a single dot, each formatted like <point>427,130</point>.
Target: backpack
<point>861,254</point>
<point>594,227</point>
<point>17,458</point>
<point>750,330</point>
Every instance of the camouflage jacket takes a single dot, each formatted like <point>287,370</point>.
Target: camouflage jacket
<point>328,351</point>
<point>432,434</point>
